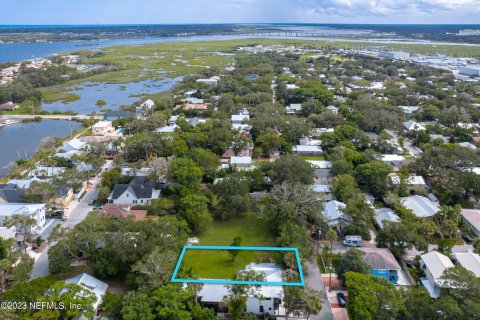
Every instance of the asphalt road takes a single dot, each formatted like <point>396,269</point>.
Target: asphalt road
<point>313,280</point>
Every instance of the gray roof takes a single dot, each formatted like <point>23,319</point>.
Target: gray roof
<point>63,191</point>
<point>333,210</point>
<point>10,193</point>
<point>380,258</point>
<point>421,206</point>
<point>385,214</point>
<point>138,186</point>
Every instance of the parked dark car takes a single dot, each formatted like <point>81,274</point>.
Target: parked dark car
<point>90,203</point>
<point>467,239</point>
<point>341,299</point>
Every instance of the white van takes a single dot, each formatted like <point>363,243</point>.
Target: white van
<point>352,241</point>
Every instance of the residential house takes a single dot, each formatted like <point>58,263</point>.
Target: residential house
<point>25,183</point>
<point>144,109</point>
<point>468,145</point>
<point>167,129</point>
<point>9,106</point>
<point>63,198</point>
<point>193,100</point>
<point>320,164</point>
<point>10,193</point>
<point>241,163</point>
<point>138,191</point>
<point>333,109</point>
<point>409,110</point>
<point>122,211</point>
<point>385,214</point>
<point>334,215</point>
<point>308,141</point>
<point>307,150</point>
<point>468,260</point>
<point>210,81</point>
<point>95,286</point>
<point>433,265</point>
<point>471,218</point>
<point>45,172</point>
<point>103,128</point>
<point>291,86</point>
<point>413,126</point>
<point>238,120</point>
<point>35,211</point>
<point>8,233</point>
<point>324,191</point>
<point>412,183</point>
<point>323,176</point>
<point>74,145</point>
<point>383,263</point>
<point>211,295</point>
<point>294,108</point>
<point>421,206</point>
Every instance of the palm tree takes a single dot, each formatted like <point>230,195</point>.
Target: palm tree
<point>331,236</point>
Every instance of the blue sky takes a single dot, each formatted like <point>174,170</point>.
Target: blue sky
<point>237,11</point>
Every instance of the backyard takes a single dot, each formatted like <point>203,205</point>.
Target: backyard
<point>219,264</point>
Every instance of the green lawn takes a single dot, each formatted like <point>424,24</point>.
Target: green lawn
<point>312,157</point>
<point>218,264</point>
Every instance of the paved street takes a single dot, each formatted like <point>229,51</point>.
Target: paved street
<point>414,151</point>
<point>313,279</point>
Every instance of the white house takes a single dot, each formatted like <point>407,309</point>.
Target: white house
<point>434,264</point>
<point>142,110</point>
<point>95,286</point>
<point>73,145</point>
<point>333,109</point>
<point>212,295</point>
<point>385,214</point>
<point>320,164</point>
<point>471,218</point>
<point>238,120</point>
<point>291,86</point>
<point>167,129</point>
<point>241,163</point>
<point>413,126</point>
<point>307,150</point>
<point>138,191</point>
<point>468,260</point>
<point>468,145</point>
<point>333,213</point>
<point>103,128</point>
<point>148,104</point>
<point>294,108</point>
<point>210,81</point>
<point>41,171</point>
<point>421,206</point>
<point>35,211</point>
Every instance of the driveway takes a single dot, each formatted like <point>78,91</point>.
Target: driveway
<point>313,280</point>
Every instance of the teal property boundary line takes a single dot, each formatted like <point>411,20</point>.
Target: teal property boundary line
<point>224,281</point>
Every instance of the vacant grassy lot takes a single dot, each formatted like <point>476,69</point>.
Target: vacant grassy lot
<point>218,264</point>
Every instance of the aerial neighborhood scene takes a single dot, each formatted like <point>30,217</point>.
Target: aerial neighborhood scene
<point>240,159</point>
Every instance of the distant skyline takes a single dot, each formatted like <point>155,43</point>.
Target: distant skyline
<point>239,11</point>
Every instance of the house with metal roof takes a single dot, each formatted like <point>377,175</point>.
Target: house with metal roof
<point>413,126</point>
<point>10,193</point>
<point>468,260</point>
<point>95,286</point>
<point>421,206</point>
<point>334,215</point>
<point>33,210</point>
<point>471,218</point>
<point>385,214</point>
<point>433,265</point>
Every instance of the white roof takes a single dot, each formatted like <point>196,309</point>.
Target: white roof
<point>421,206</point>
<point>469,260</point>
<point>301,148</point>
<point>148,103</point>
<point>92,284</point>
<point>73,144</point>
<point>8,233</point>
<point>167,129</point>
<point>385,214</point>
<point>468,145</point>
<point>321,188</point>
<point>472,216</point>
<point>25,183</point>
<point>13,209</point>
<point>332,210</point>
<point>320,164</point>
<point>436,263</point>
<point>392,157</point>
<point>412,125</point>
<point>241,160</point>
<point>412,180</point>
<point>272,272</point>
<point>102,124</point>
<point>239,117</point>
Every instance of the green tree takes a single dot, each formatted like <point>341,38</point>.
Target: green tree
<point>352,261</point>
<point>137,306</point>
<point>194,208</point>
<point>237,241</point>
<point>155,269</point>
<point>186,174</point>
<point>269,143</point>
<point>344,187</point>
<point>361,217</point>
<point>290,169</point>
<point>373,177</point>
